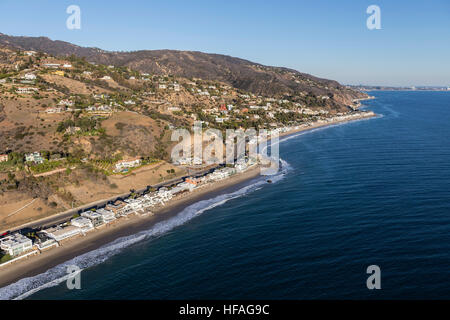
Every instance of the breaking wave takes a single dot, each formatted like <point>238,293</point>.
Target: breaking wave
<point>58,274</point>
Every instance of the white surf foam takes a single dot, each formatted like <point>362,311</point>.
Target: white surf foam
<point>56,275</point>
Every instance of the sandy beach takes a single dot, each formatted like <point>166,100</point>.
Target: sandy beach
<point>40,263</point>
<point>132,224</point>
<point>326,124</point>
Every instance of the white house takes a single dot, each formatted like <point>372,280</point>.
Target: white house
<point>34,157</point>
<point>60,233</point>
<point>95,217</point>
<point>15,244</point>
<point>83,223</point>
<point>52,65</point>
<point>26,90</point>
<point>131,163</point>
<point>66,102</point>
<point>107,215</point>
<point>29,76</point>
<point>104,108</point>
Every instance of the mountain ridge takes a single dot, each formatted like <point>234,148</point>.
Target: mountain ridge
<point>240,73</point>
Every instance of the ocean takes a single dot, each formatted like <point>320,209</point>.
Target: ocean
<point>370,192</point>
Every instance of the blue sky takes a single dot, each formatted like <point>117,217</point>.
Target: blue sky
<point>325,38</point>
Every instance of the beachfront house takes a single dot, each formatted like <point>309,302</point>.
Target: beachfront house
<point>62,233</point>
<point>15,244</point>
<point>133,206</point>
<point>95,217</point>
<point>163,195</point>
<point>179,189</point>
<point>128,209</point>
<point>221,174</point>
<point>83,223</point>
<point>106,215</point>
<point>43,241</point>
<point>116,207</point>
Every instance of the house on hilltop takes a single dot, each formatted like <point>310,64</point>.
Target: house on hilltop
<point>125,164</point>
<point>34,157</point>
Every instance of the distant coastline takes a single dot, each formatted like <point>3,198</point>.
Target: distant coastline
<point>383,88</point>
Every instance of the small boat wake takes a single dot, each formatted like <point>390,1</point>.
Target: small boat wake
<point>57,275</point>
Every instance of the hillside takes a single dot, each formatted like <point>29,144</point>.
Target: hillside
<point>67,123</point>
<point>239,73</point>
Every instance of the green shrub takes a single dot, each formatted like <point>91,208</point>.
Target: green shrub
<point>4,258</point>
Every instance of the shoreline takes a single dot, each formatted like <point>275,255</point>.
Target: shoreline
<point>40,263</point>
<point>326,124</point>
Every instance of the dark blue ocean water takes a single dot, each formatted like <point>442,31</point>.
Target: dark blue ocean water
<point>363,193</point>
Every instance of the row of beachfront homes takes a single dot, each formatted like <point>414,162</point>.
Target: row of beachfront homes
<point>18,245</point>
